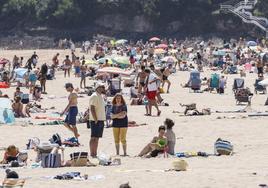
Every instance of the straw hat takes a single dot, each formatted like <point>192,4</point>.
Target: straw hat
<point>180,165</point>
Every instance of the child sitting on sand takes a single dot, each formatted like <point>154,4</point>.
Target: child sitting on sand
<point>156,146</point>
<point>171,137</point>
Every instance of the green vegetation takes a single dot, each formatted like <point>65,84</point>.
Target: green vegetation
<point>67,14</point>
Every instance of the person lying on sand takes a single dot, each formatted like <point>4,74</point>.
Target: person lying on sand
<point>156,146</point>
<point>10,154</point>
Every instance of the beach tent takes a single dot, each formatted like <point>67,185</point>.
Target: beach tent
<point>6,113</point>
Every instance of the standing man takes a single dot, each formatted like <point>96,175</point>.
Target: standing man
<point>97,118</point>
<point>72,110</point>
<point>152,88</point>
<point>140,80</point>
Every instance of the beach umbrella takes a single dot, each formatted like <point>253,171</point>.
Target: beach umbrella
<point>102,61</point>
<point>264,82</point>
<point>121,41</point>
<point>252,43</point>
<point>122,61</point>
<point>154,39</point>
<point>162,46</point>
<point>159,51</point>
<point>114,70</point>
<point>91,62</point>
<point>169,59</point>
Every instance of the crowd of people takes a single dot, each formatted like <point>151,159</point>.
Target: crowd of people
<point>151,62</point>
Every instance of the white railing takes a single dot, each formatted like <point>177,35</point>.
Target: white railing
<point>240,8</point>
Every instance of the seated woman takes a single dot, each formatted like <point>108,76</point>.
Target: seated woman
<point>37,93</point>
<point>17,107</point>
<point>10,155</point>
<point>156,146</point>
<point>18,93</point>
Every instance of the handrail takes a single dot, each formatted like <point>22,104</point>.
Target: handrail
<point>247,16</point>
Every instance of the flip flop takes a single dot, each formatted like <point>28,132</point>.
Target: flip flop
<point>158,113</point>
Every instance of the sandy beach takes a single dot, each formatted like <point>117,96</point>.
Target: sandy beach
<point>247,167</point>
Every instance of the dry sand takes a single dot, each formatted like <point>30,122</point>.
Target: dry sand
<point>249,136</point>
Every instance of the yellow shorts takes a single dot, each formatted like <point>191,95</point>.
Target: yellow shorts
<point>120,135</point>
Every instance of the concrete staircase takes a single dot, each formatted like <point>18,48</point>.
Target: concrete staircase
<point>243,10</point>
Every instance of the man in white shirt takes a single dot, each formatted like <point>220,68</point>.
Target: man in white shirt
<point>151,91</point>
<point>97,117</point>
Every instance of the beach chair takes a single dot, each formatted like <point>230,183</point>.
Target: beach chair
<point>243,95</point>
<point>214,82</point>
<point>259,88</point>
<point>238,84</point>
<point>13,183</point>
<point>195,81</point>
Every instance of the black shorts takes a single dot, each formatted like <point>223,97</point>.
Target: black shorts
<point>96,129</point>
<point>142,84</point>
<point>165,78</point>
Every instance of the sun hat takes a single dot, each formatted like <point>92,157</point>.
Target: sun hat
<point>179,165</point>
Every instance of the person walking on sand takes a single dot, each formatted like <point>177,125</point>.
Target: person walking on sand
<point>165,75</point>
<point>97,117</point>
<point>120,122</point>
<point>71,108</point>
<point>151,91</point>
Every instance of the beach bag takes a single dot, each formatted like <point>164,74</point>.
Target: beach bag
<point>25,98</point>
<point>56,139</point>
<point>223,147</point>
<point>51,161</point>
<point>79,159</point>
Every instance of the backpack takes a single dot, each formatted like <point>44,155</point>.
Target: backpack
<point>223,147</point>
<point>56,139</point>
<point>51,161</point>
